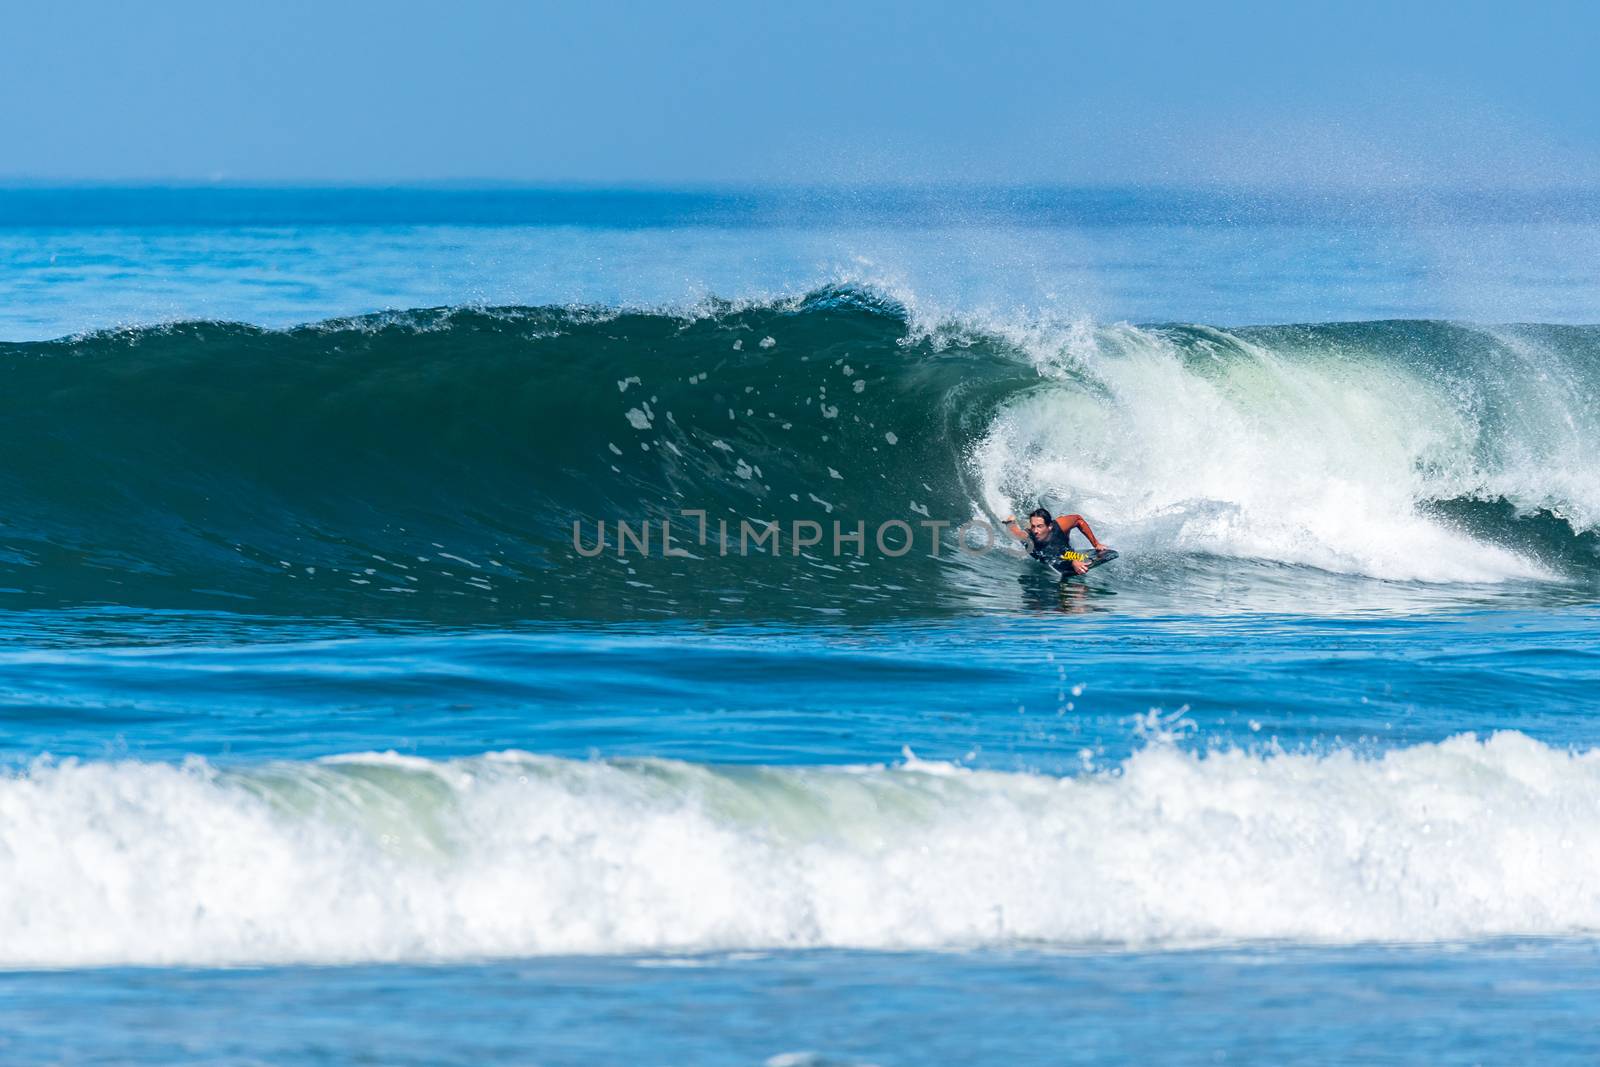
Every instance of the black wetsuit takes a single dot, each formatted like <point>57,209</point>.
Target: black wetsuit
<point>1057,542</point>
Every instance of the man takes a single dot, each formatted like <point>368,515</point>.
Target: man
<point>1048,538</point>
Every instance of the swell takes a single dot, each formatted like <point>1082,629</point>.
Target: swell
<point>374,857</point>
<point>433,462</point>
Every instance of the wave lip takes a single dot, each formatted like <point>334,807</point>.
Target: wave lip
<point>375,858</point>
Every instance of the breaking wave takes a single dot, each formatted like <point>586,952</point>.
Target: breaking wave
<point>434,461</point>
<point>382,857</point>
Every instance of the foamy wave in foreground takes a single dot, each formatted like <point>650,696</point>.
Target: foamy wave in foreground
<point>373,857</point>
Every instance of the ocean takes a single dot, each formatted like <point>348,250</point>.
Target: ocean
<point>451,625</point>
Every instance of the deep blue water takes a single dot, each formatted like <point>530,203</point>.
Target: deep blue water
<point>323,743</point>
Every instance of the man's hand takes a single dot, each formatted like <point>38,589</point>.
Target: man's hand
<point>1079,566</point>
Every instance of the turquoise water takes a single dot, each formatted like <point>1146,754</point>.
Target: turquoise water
<point>324,742</point>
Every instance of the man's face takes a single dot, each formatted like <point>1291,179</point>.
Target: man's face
<point>1037,527</point>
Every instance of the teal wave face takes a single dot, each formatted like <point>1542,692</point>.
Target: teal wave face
<point>434,462</point>
<point>438,460</point>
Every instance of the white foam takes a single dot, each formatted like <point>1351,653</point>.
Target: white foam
<point>1225,447</point>
<point>382,859</point>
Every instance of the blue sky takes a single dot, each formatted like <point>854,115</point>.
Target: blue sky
<point>1346,95</point>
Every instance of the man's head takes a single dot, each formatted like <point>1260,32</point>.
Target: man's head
<point>1039,521</point>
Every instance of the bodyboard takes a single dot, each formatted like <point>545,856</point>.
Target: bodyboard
<point>1094,559</point>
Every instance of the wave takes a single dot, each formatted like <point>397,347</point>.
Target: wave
<point>434,461</point>
<point>1352,448</point>
<point>381,857</point>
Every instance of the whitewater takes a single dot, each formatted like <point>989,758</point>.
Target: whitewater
<point>383,857</point>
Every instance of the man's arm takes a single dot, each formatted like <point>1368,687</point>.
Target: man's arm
<point>1016,531</point>
<point>1069,523</point>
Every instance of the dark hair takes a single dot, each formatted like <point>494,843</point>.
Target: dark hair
<point>1041,513</point>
